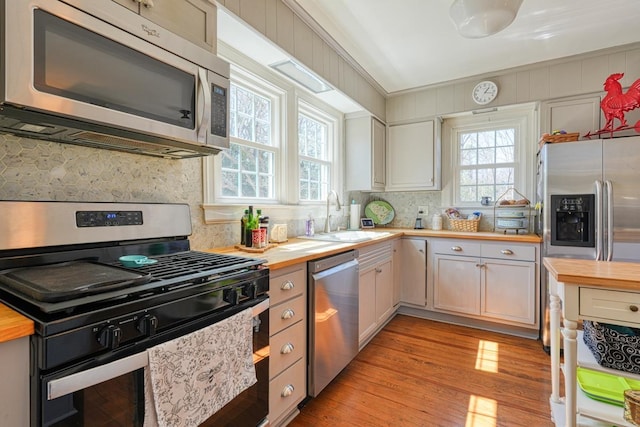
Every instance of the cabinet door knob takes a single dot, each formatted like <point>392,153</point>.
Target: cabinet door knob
<point>421,250</point>
<point>288,313</point>
<point>287,390</point>
<point>287,348</point>
<point>633,308</point>
<point>287,286</point>
<point>378,270</point>
<point>480,265</point>
<point>506,252</point>
<point>456,248</point>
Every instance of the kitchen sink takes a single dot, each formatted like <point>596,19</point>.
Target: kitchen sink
<point>347,236</point>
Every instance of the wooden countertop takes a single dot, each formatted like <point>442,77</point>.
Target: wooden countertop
<point>13,325</point>
<point>301,250</point>
<point>612,274</point>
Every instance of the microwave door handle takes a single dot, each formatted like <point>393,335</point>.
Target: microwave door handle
<point>599,220</point>
<point>205,118</point>
<point>609,188</point>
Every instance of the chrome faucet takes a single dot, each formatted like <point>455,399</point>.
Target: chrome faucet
<point>327,224</point>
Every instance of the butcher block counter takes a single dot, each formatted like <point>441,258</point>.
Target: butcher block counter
<point>13,325</point>
<point>298,250</point>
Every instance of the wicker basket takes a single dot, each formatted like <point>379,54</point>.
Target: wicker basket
<point>632,406</point>
<point>464,224</point>
<point>561,137</point>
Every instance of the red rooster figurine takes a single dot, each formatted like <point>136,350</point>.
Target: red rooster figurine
<point>616,103</point>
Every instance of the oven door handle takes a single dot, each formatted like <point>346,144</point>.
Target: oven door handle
<point>259,308</point>
<point>81,380</point>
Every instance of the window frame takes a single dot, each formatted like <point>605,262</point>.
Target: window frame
<point>286,204</point>
<point>242,78</point>
<point>319,115</point>
<point>519,117</point>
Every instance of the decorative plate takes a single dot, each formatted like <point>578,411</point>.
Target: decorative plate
<point>380,212</point>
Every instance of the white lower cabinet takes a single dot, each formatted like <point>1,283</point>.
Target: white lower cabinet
<point>494,281</point>
<point>14,387</point>
<point>413,271</point>
<point>287,342</point>
<point>376,290</point>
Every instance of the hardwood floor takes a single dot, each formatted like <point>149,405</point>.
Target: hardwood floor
<point>418,372</point>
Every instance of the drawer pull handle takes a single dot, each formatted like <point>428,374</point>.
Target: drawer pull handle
<point>287,286</point>
<point>506,252</point>
<point>288,314</point>
<point>633,308</point>
<point>287,348</point>
<point>287,390</point>
<point>456,248</point>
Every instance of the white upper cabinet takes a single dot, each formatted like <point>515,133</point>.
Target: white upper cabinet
<point>195,20</point>
<point>572,115</point>
<point>413,157</point>
<point>365,148</point>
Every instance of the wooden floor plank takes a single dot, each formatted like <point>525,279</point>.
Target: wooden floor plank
<point>418,372</point>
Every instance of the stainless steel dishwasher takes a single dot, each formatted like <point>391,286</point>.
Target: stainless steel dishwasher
<point>333,317</point>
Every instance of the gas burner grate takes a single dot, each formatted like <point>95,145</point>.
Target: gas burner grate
<point>188,264</point>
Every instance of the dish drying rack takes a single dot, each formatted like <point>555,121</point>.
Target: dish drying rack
<point>514,215</point>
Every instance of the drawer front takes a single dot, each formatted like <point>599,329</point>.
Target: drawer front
<point>288,283</point>
<point>287,390</point>
<point>286,314</point>
<point>610,305</point>
<point>508,250</point>
<point>456,247</point>
<point>287,347</point>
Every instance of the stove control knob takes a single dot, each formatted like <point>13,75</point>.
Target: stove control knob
<point>231,296</point>
<point>110,336</point>
<point>148,324</point>
<point>250,290</point>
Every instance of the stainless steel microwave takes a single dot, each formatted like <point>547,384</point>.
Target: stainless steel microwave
<point>94,73</point>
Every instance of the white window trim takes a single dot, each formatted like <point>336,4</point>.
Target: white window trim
<point>287,206</point>
<point>277,98</point>
<point>522,117</point>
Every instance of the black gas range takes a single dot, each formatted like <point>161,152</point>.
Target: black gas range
<point>59,266</point>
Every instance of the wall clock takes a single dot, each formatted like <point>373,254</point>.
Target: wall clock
<point>484,92</point>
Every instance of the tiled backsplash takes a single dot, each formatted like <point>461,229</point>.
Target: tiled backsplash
<point>39,170</point>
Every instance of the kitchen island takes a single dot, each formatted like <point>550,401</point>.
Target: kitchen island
<point>599,291</point>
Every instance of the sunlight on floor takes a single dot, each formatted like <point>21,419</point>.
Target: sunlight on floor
<point>487,358</point>
<point>482,412</point>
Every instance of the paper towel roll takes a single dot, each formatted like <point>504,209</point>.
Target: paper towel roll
<point>354,217</point>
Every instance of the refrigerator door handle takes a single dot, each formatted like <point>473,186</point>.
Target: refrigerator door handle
<point>609,189</point>
<point>599,220</point>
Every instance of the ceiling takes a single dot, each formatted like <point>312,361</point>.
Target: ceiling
<point>406,44</point>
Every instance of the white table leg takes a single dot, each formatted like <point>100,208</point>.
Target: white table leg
<point>570,363</point>
<point>554,328</point>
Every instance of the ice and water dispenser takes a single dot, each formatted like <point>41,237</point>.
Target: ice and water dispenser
<point>573,220</point>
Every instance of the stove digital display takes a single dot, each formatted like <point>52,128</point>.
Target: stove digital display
<point>108,218</point>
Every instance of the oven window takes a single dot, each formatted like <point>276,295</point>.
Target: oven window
<point>116,402</point>
<point>74,63</point>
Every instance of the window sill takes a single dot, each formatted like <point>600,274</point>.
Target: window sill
<point>227,213</point>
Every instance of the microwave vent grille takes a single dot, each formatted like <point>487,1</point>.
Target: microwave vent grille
<point>99,140</point>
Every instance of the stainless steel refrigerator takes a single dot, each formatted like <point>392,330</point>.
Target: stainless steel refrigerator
<point>590,194</point>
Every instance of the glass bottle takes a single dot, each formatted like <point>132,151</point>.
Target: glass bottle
<point>243,226</point>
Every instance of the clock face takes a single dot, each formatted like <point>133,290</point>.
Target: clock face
<point>484,92</point>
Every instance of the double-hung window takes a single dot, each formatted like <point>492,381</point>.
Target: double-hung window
<point>249,166</point>
<point>315,138</point>
<point>488,154</point>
